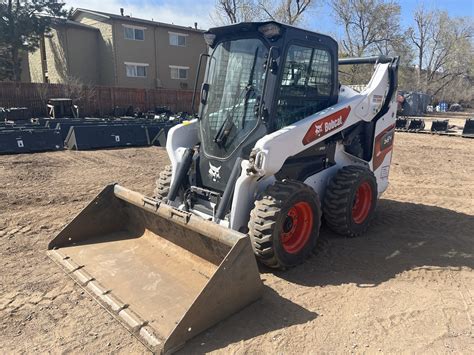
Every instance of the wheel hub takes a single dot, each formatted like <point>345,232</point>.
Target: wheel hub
<point>288,225</point>
<point>362,203</point>
<point>297,227</point>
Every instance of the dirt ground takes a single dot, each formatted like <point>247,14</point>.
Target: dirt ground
<point>406,286</point>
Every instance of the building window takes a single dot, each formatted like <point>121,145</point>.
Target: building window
<point>136,70</point>
<point>134,33</point>
<point>178,39</point>
<point>179,73</point>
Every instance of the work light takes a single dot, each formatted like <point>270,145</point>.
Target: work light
<point>270,30</point>
<point>209,38</point>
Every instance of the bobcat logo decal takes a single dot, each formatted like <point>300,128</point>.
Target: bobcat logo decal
<point>214,172</point>
<point>318,129</point>
<point>326,125</point>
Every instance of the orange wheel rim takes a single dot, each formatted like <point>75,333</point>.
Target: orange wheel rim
<point>297,227</point>
<point>362,203</point>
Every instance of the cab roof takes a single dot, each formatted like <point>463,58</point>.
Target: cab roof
<point>286,31</point>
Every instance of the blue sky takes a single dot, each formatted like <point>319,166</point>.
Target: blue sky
<point>186,12</point>
<point>324,21</point>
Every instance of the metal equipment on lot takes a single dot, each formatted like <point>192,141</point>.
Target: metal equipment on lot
<point>277,146</point>
<point>157,134</point>
<point>401,124</point>
<point>114,135</point>
<point>82,133</point>
<point>62,107</point>
<point>123,111</point>
<point>468,130</point>
<point>64,125</point>
<point>416,125</point>
<point>29,140</point>
<point>413,103</point>
<point>106,136</point>
<point>15,114</point>
<point>439,126</point>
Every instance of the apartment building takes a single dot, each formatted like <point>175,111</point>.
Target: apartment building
<point>116,50</point>
<point>68,52</point>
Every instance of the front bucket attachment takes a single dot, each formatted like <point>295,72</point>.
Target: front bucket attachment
<point>440,126</point>
<point>401,124</point>
<point>468,130</point>
<point>167,275</point>
<point>416,125</point>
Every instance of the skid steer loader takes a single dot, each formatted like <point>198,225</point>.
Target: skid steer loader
<point>277,145</point>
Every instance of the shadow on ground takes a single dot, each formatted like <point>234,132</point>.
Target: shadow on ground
<point>403,236</point>
<point>271,312</point>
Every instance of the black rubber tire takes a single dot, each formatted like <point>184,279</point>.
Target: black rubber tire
<point>355,148</point>
<point>267,218</point>
<point>340,196</point>
<point>163,183</point>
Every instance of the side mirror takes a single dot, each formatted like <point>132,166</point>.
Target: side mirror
<point>204,93</point>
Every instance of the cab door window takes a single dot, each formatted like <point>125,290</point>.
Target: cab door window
<point>306,84</point>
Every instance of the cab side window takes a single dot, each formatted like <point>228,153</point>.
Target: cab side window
<point>306,84</point>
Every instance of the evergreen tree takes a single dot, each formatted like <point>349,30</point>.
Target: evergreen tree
<point>22,25</point>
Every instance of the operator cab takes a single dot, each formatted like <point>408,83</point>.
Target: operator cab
<point>260,77</point>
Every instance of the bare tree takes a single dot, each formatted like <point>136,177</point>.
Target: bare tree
<point>419,36</point>
<point>285,11</point>
<point>444,49</point>
<point>43,92</point>
<point>75,89</point>
<point>370,26</point>
<point>235,11</point>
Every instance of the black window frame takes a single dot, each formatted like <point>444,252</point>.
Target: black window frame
<point>332,98</point>
<point>259,123</point>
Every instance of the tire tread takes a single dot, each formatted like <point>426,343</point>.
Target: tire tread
<point>338,198</point>
<point>265,214</point>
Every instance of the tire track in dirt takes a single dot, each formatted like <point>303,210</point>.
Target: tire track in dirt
<point>404,286</point>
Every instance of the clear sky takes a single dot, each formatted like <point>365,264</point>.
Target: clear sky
<point>321,19</point>
<point>186,12</point>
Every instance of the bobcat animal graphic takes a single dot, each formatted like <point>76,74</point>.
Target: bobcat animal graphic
<point>319,129</point>
<point>214,172</point>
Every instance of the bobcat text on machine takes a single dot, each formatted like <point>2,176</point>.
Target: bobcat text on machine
<point>277,145</point>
